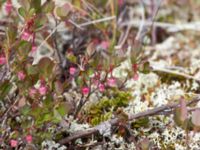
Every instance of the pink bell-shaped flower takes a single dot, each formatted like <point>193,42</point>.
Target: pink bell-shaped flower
<point>42,90</point>
<point>21,75</point>
<point>2,60</point>
<point>26,36</point>
<point>111,82</point>
<point>101,87</point>
<point>8,7</point>
<point>13,143</point>
<point>29,139</point>
<point>85,90</point>
<point>72,70</point>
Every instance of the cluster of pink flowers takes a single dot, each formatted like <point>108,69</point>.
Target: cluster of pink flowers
<point>26,36</point>
<point>85,90</point>
<point>72,71</point>
<point>29,139</point>
<point>8,6</point>
<point>111,82</point>
<point>2,60</point>
<point>42,90</point>
<point>135,74</point>
<point>32,92</point>
<point>105,44</point>
<point>121,2</point>
<point>33,49</point>
<point>14,143</point>
<point>21,75</point>
<point>101,87</point>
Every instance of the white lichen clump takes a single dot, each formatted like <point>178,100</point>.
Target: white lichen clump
<point>165,93</point>
<point>52,145</point>
<point>74,126</point>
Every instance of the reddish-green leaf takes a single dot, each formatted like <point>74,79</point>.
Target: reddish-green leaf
<point>196,117</point>
<point>183,110</point>
<point>46,66</point>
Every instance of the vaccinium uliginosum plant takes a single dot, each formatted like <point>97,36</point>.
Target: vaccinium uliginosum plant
<point>35,84</point>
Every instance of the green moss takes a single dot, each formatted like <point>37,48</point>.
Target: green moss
<point>103,110</point>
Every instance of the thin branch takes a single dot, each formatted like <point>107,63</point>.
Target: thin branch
<point>56,44</point>
<point>88,23</point>
<point>75,24</point>
<point>168,26</point>
<point>4,116</point>
<point>165,70</point>
<point>122,40</point>
<point>52,32</point>
<point>97,21</point>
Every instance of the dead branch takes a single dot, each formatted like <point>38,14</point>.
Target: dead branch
<point>168,71</point>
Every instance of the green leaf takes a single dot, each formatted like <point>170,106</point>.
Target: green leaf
<point>63,11</point>
<point>24,48</point>
<point>22,12</point>
<point>32,70</point>
<point>72,58</point>
<point>32,11</point>
<point>48,6</point>
<point>45,117</point>
<point>76,3</point>
<point>36,111</point>
<point>62,109</point>
<point>40,20</point>
<point>46,66</point>
<point>5,88</point>
<point>143,122</point>
<point>57,115</point>
<point>48,102</point>
<point>36,4</point>
<point>145,68</point>
<point>11,33</point>
<point>25,110</point>
<point>25,4</point>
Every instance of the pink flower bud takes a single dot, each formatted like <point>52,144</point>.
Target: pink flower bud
<point>33,49</point>
<point>72,70</point>
<point>21,75</point>
<point>101,87</point>
<point>8,6</point>
<point>29,139</point>
<point>120,3</point>
<point>32,92</point>
<point>42,90</point>
<point>111,82</point>
<point>105,44</point>
<point>26,36</point>
<point>85,90</point>
<point>135,67</point>
<point>135,76</point>
<point>13,143</point>
<point>95,82</point>
<point>2,60</point>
